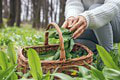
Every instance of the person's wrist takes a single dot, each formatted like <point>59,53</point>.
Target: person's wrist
<point>83,19</point>
<point>85,15</point>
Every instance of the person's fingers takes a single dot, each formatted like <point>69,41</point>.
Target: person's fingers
<point>75,21</point>
<point>79,31</point>
<point>70,23</point>
<point>77,25</point>
<point>79,34</point>
<point>65,24</point>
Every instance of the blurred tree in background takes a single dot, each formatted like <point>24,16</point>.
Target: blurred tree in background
<point>38,13</point>
<point>12,15</point>
<point>1,21</point>
<point>18,12</point>
<point>5,8</point>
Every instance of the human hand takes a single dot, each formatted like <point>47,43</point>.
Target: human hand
<point>78,25</point>
<point>69,22</point>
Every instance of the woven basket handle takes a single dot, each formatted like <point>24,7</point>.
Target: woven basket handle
<point>62,50</point>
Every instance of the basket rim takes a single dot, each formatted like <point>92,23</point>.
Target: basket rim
<point>90,53</point>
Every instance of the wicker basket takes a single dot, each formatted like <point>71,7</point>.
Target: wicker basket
<point>62,63</point>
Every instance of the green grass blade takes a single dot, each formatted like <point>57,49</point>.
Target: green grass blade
<point>111,74</point>
<point>12,54</point>
<point>3,60</point>
<point>6,72</point>
<point>46,76</point>
<point>12,75</point>
<point>83,70</point>
<point>34,63</point>
<point>63,76</point>
<point>106,58</point>
<point>98,74</point>
<point>119,49</point>
<point>52,76</point>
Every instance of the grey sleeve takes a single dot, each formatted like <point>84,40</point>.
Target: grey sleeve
<point>73,8</point>
<point>102,15</point>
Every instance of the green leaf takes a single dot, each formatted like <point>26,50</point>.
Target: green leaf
<point>119,49</point>
<point>98,74</point>
<point>111,73</point>
<point>7,72</point>
<point>106,58</point>
<point>12,75</point>
<point>47,76</point>
<point>26,75</point>
<point>63,76</point>
<point>19,74</point>
<point>34,63</point>
<point>3,60</point>
<point>52,76</point>
<point>12,53</point>
<point>84,71</point>
<point>115,56</point>
<point>57,55</point>
<point>71,44</point>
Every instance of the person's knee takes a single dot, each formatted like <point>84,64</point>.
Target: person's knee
<point>105,36</point>
<point>91,45</point>
<point>94,6</point>
<point>116,28</point>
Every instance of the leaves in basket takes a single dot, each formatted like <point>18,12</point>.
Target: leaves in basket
<point>68,45</point>
<point>47,55</point>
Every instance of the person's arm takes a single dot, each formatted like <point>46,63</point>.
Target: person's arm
<point>73,8</point>
<point>100,16</point>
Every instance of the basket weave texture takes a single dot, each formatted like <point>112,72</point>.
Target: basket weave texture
<point>62,64</point>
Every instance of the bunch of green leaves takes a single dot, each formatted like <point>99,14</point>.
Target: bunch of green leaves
<point>68,43</point>
<point>79,53</point>
<point>53,34</point>
<point>8,63</point>
<point>47,55</point>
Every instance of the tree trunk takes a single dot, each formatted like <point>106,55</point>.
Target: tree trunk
<point>11,19</point>
<point>62,10</point>
<point>46,6</point>
<point>27,10</point>
<point>5,7</point>
<point>57,7</point>
<point>36,13</point>
<point>1,21</point>
<point>43,14</point>
<point>51,11</point>
<point>18,12</point>
<point>47,10</point>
